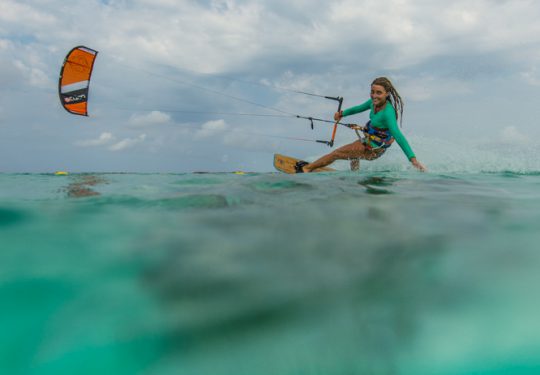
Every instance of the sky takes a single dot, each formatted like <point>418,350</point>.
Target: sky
<point>172,77</point>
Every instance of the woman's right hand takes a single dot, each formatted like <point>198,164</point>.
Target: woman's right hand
<point>338,115</point>
<point>418,165</point>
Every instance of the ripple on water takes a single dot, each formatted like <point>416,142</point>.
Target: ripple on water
<point>194,201</point>
<point>272,186</point>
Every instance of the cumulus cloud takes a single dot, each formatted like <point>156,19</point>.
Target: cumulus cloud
<point>511,134</point>
<point>531,76</point>
<point>34,76</point>
<point>431,50</point>
<point>10,75</point>
<point>229,30</point>
<point>5,44</point>
<point>426,87</point>
<point>211,129</point>
<point>244,139</point>
<point>153,118</point>
<point>127,143</point>
<point>107,139</point>
<point>236,137</point>
<point>103,139</point>
<point>24,14</point>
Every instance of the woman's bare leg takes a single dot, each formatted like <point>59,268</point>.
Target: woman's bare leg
<point>353,150</point>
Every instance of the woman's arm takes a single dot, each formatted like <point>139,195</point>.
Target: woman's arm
<point>402,141</point>
<point>357,109</point>
<point>353,110</point>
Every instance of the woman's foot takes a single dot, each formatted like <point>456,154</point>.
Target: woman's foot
<point>300,167</point>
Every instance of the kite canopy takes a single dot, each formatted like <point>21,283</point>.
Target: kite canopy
<point>75,80</point>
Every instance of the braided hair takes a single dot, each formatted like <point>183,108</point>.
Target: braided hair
<point>394,97</point>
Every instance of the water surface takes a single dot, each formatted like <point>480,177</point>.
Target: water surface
<point>378,272</point>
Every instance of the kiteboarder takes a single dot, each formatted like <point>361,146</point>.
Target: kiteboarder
<point>379,133</point>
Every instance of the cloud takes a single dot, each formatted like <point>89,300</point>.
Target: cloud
<point>245,139</point>
<point>5,44</point>
<point>211,129</point>
<point>426,87</point>
<point>127,143</point>
<point>229,30</point>
<point>34,76</point>
<point>531,76</point>
<point>104,138</point>
<point>23,14</point>
<point>153,118</point>
<point>10,75</point>
<point>436,53</point>
<point>511,134</point>
<point>107,138</point>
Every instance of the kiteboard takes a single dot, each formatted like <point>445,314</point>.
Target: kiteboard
<point>287,164</point>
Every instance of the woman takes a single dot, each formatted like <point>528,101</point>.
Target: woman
<point>380,132</point>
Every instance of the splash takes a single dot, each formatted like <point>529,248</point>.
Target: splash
<point>497,155</point>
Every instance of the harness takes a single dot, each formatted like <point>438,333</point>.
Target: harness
<point>375,138</point>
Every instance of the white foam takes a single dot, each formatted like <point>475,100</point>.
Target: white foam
<point>460,156</point>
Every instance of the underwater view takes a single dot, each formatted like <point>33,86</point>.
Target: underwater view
<point>370,272</point>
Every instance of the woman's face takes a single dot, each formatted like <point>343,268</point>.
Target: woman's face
<point>378,95</point>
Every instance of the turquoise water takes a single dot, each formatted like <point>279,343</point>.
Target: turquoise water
<point>378,272</point>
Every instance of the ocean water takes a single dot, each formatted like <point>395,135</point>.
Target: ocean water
<point>371,272</point>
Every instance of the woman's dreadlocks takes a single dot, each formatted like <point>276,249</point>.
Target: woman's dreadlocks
<point>394,97</point>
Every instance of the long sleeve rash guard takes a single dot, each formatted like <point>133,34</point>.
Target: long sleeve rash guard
<point>385,119</point>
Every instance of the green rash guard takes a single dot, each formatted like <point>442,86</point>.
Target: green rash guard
<point>385,119</point>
